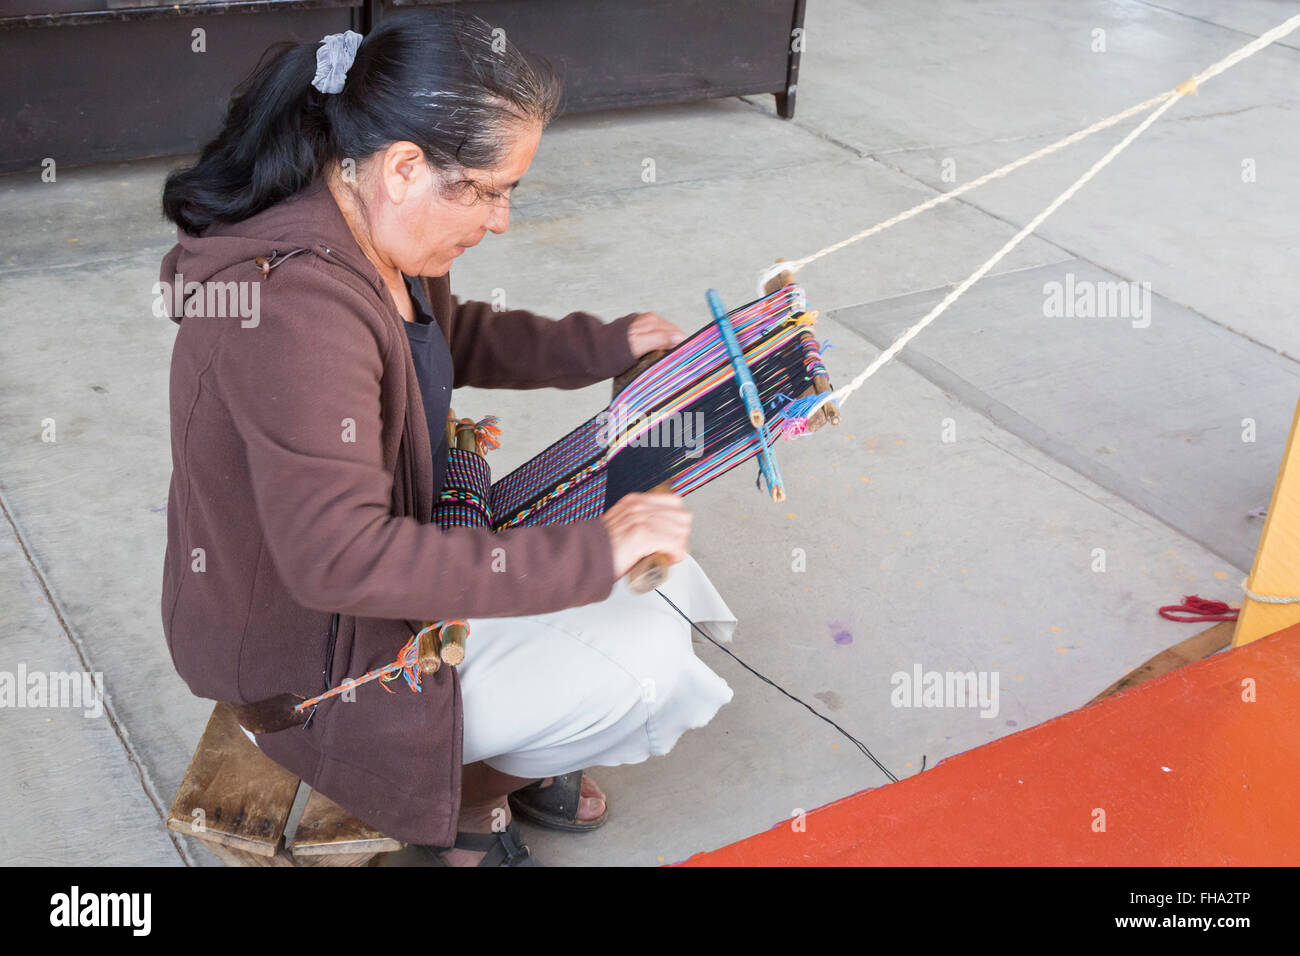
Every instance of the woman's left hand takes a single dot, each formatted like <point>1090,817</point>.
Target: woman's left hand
<point>650,331</point>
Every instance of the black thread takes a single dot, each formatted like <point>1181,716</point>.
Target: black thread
<point>857,743</point>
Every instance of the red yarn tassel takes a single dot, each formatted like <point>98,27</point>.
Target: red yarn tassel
<point>1199,609</point>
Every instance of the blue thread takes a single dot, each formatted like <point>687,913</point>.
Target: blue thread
<point>772,406</point>
<point>800,407</point>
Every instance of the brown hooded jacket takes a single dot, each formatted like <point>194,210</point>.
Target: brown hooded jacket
<point>302,487</point>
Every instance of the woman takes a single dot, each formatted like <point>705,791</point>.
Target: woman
<point>308,443</point>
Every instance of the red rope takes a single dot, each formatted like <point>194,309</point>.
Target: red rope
<point>1199,609</point>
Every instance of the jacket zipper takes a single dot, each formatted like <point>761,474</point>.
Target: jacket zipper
<point>267,264</point>
<point>329,662</point>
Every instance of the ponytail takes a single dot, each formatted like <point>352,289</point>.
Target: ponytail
<point>273,143</point>
<point>436,78</point>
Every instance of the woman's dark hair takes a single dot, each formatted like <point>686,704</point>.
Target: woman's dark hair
<point>443,80</point>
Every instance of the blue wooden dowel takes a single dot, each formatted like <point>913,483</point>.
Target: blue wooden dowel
<point>749,395</point>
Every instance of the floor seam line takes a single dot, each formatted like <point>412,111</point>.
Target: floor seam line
<point>1045,452</point>
<point>110,711</point>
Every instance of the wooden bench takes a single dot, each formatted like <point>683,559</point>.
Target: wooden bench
<point>236,801</point>
<point>1195,648</point>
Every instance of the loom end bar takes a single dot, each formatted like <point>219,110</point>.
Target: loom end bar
<point>453,643</point>
<point>830,411</point>
<point>466,437</point>
<point>827,412</point>
<point>778,281</point>
<point>652,570</point>
<point>648,573</point>
<point>429,656</point>
<point>624,379</point>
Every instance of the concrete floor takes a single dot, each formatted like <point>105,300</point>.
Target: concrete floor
<point>975,554</point>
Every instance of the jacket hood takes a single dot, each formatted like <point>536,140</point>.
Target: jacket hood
<point>309,222</point>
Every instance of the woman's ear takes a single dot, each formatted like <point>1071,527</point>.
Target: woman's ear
<point>404,171</point>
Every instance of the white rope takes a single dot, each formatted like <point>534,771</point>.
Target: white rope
<point>1169,99</point>
<point>1267,598</point>
<point>843,393</point>
<point>777,268</point>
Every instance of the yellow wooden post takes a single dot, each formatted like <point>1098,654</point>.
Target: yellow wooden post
<point>1276,571</point>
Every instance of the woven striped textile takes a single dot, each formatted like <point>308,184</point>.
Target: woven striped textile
<point>680,421</point>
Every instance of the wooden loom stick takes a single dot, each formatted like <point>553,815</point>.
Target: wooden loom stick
<point>431,655</point>
<point>778,281</point>
<point>430,649</point>
<point>453,635</point>
<point>452,423</point>
<point>452,639</point>
<point>652,570</point>
<point>828,413</point>
<point>624,379</point>
<point>430,659</point>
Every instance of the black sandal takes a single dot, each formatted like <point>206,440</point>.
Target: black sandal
<point>556,806</point>
<point>503,848</point>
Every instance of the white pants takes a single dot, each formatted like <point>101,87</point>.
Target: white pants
<point>607,683</point>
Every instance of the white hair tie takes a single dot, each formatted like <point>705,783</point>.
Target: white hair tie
<point>334,59</point>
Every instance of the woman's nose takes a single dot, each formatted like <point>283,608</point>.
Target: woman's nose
<point>499,220</point>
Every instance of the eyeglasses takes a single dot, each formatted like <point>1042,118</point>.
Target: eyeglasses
<point>485,193</point>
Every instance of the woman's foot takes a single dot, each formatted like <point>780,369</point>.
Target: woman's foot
<point>506,848</point>
<point>489,820</point>
<point>591,802</point>
<point>591,806</point>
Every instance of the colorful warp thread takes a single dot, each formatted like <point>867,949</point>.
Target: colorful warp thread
<point>622,449</point>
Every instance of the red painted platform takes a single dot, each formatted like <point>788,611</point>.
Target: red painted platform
<point>1187,772</point>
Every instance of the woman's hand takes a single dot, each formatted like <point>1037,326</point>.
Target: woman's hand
<point>641,524</point>
<point>650,331</point>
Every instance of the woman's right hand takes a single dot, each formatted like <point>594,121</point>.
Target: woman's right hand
<point>641,524</point>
